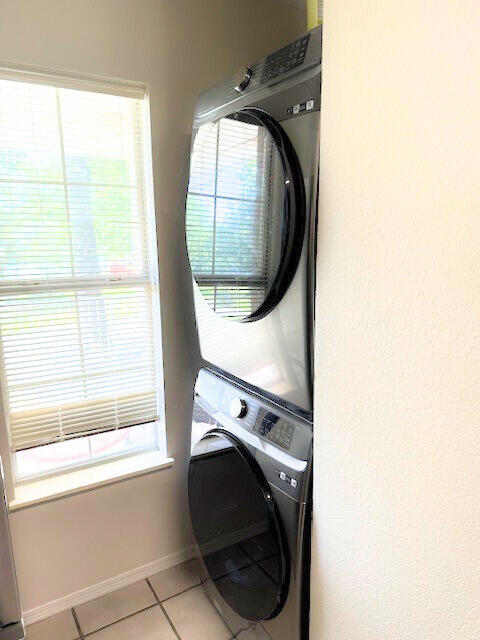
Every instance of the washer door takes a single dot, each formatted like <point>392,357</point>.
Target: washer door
<point>237,526</point>
<point>245,213</point>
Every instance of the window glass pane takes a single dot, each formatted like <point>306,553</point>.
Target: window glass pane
<point>34,236</point>
<point>52,457</point>
<point>88,449</point>
<point>29,133</point>
<point>72,195</point>
<point>105,152</point>
<point>88,354</point>
<point>123,440</point>
<point>41,350</point>
<point>107,237</point>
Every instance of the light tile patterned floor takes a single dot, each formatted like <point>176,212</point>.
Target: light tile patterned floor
<point>167,606</point>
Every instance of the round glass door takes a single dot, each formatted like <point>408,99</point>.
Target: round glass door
<point>245,213</point>
<point>237,527</point>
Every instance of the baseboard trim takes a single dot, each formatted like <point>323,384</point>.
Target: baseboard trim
<point>107,586</point>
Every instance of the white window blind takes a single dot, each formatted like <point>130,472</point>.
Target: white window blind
<point>79,309</point>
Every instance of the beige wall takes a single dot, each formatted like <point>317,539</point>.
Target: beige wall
<point>397,485</point>
<point>178,47</point>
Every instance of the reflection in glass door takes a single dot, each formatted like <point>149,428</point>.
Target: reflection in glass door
<point>234,214</point>
<point>237,527</point>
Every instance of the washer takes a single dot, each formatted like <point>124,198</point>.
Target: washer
<point>250,221</point>
<point>249,486</point>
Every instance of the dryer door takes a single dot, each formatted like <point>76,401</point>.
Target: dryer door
<point>245,213</point>
<point>237,527</point>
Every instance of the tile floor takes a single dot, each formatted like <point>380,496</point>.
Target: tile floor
<point>170,605</point>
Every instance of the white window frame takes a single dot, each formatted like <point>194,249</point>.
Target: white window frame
<point>87,82</point>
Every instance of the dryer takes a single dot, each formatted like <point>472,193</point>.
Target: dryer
<point>250,222</point>
<point>249,488</point>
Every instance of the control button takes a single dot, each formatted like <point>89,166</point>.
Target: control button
<point>283,475</point>
<point>238,408</point>
<point>242,78</point>
<point>294,483</point>
<point>309,105</point>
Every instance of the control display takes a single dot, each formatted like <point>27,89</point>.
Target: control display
<point>274,428</point>
<point>285,59</point>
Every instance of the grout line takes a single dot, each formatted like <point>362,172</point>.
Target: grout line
<point>149,584</point>
<point>179,593</point>
<point>163,609</point>
<point>169,620</point>
<point>77,624</point>
<point>160,602</point>
<point>111,624</point>
<point>189,589</point>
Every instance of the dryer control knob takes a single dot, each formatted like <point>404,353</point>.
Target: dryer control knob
<point>238,408</point>
<point>242,78</point>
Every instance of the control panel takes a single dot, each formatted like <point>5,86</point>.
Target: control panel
<point>274,428</point>
<point>285,59</point>
<point>225,405</point>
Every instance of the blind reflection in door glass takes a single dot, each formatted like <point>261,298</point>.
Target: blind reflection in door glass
<point>234,219</point>
<point>237,536</point>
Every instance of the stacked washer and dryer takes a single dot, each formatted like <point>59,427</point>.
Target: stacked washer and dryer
<point>250,227</point>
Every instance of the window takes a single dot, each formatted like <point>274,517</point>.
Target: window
<point>235,187</point>
<point>79,302</point>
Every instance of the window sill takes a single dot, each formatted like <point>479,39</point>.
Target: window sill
<point>65,484</point>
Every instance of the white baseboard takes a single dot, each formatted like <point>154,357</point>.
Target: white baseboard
<point>107,586</point>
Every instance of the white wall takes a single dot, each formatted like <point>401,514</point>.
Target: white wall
<point>178,47</point>
<point>397,492</point>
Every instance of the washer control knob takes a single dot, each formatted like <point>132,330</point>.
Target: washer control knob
<point>242,78</point>
<point>238,408</point>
